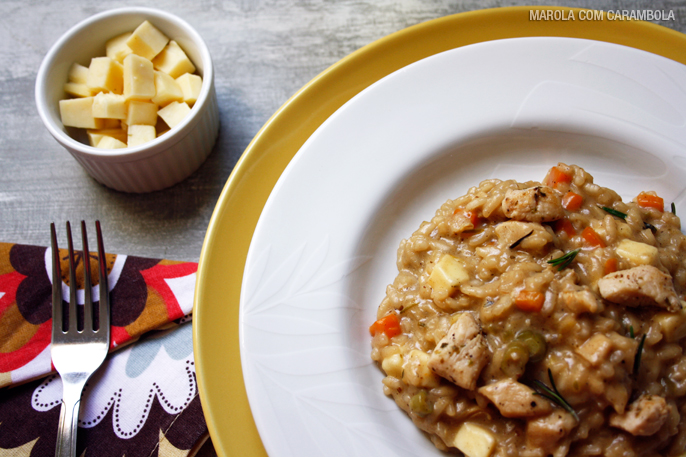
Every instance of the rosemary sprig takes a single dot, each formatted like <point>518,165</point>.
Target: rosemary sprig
<point>554,395</point>
<point>563,261</point>
<point>516,243</point>
<point>673,208</point>
<point>637,357</point>
<point>622,216</point>
<point>614,212</point>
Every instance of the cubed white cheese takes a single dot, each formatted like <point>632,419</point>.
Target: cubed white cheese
<point>393,365</point>
<point>95,135</point>
<point>173,113</point>
<point>173,61</point>
<point>78,112</point>
<point>167,90</point>
<point>108,142</point>
<point>147,40</point>
<point>123,89</point>
<point>190,87</point>
<point>105,74</point>
<point>636,252</point>
<point>77,90</point>
<point>474,440</point>
<point>672,325</point>
<point>110,106</point>
<point>446,276</point>
<point>117,49</point>
<point>139,78</point>
<point>139,134</point>
<point>78,74</point>
<point>141,113</point>
<point>416,371</point>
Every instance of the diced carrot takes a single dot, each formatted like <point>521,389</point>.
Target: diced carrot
<point>529,300</point>
<point>557,178</point>
<point>572,201</point>
<point>610,265</point>
<point>650,201</point>
<point>471,215</point>
<point>390,325</point>
<point>592,238</point>
<point>565,225</point>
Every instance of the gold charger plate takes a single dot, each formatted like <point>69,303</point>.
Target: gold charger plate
<point>217,293</point>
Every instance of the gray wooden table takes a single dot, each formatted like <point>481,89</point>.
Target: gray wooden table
<point>264,51</point>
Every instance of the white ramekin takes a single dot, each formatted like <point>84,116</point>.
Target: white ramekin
<point>160,163</point>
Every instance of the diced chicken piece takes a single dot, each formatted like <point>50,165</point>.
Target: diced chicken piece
<point>644,285</point>
<point>526,235</point>
<point>644,417</point>
<point>461,354</point>
<point>535,204</point>
<point>514,399</point>
<point>579,299</point>
<point>595,349</point>
<point>545,432</point>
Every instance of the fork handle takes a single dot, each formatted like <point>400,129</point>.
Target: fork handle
<point>69,416</point>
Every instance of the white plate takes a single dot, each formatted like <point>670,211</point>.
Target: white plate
<point>325,246</point>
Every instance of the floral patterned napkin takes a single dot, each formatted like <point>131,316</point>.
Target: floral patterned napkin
<point>143,401</point>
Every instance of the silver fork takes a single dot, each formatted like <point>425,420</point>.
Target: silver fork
<point>77,353</point>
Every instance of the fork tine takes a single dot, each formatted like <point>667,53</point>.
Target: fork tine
<point>72,283</point>
<point>56,282</point>
<point>77,354</point>
<point>104,302</point>
<point>87,301</point>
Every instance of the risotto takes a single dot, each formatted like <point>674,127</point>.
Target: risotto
<point>541,319</point>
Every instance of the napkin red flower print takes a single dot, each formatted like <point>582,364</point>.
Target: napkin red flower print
<point>145,294</point>
<point>25,312</point>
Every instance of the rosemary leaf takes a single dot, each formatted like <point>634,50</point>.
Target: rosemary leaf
<point>673,208</point>
<point>563,261</point>
<point>631,332</point>
<point>614,212</point>
<point>647,225</point>
<point>554,395</point>
<point>637,357</point>
<point>516,243</point>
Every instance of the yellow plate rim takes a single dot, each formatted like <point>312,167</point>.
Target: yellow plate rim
<point>217,293</point>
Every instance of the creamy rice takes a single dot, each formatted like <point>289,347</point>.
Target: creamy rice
<point>488,310</point>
